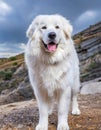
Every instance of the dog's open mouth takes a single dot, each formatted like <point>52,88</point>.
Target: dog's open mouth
<point>51,47</point>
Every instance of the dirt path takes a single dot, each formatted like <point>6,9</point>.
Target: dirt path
<point>24,115</point>
<point>10,63</point>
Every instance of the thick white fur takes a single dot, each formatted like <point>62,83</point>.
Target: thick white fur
<point>54,76</point>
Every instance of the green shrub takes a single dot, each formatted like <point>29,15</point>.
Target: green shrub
<point>12,58</point>
<point>6,75</point>
<point>93,65</point>
<point>2,74</point>
<point>79,46</point>
<point>83,77</point>
<point>15,63</point>
<point>80,38</point>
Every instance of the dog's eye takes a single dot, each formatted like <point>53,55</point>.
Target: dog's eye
<point>57,27</point>
<point>44,27</point>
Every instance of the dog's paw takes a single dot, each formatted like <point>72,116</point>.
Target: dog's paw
<point>41,127</point>
<point>63,126</point>
<point>76,112</point>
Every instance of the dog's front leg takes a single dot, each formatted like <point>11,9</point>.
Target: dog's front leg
<point>63,108</point>
<point>43,116</point>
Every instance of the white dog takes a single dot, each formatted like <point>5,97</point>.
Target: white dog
<point>53,68</point>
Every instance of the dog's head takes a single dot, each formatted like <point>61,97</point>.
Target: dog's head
<point>50,30</point>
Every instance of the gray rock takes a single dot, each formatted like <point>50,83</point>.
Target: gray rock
<point>91,88</point>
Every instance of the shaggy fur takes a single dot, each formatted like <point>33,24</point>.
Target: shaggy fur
<point>53,68</point>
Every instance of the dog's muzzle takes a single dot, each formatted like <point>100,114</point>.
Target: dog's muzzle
<point>52,45</point>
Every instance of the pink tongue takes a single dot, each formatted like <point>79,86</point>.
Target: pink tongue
<point>51,47</point>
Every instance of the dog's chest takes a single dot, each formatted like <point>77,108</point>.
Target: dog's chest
<point>52,75</point>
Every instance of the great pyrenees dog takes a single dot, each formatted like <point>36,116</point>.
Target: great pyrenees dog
<point>53,68</point>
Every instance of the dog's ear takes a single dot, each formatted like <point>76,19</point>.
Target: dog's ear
<point>67,29</point>
<point>30,30</point>
<point>32,27</point>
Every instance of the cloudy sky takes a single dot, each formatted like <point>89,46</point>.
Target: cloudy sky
<point>16,15</point>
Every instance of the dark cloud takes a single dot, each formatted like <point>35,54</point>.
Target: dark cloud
<point>14,25</point>
<point>23,11</point>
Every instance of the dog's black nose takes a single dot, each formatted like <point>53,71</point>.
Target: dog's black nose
<point>52,35</point>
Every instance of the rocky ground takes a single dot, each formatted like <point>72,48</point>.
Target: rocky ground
<point>24,115</point>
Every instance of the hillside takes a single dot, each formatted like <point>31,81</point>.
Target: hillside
<point>7,63</point>
<point>89,51</point>
<point>91,32</point>
<point>16,93</point>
